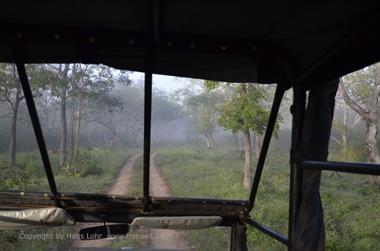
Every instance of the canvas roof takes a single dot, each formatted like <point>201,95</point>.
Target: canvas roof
<point>236,41</point>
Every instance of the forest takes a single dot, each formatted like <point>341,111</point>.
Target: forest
<point>206,138</point>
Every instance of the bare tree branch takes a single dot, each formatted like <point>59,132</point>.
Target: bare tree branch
<point>336,140</point>
<point>351,102</point>
<point>356,121</point>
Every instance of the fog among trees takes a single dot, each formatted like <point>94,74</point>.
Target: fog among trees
<point>206,139</point>
<point>94,106</point>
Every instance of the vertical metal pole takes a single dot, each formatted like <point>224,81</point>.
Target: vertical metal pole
<point>147,136</point>
<point>238,240</point>
<point>297,110</point>
<point>150,31</point>
<point>280,90</point>
<point>37,129</point>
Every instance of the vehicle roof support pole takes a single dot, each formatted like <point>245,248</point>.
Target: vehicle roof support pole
<point>238,240</point>
<point>312,144</point>
<point>37,129</point>
<point>280,90</point>
<point>297,110</point>
<point>147,136</point>
<point>151,36</point>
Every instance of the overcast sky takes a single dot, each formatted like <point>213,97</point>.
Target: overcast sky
<point>163,82</point>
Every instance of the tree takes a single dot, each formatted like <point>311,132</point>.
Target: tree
<point>361,92</point>
<point>243,111</point>
<point>60,88</point>
<point>344,125</point>
<point>90,83</point>
<point>203,107</point>
<point>11,93</point>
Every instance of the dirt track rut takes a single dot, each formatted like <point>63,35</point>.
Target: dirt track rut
<point>119,187</point>
<point>161,238</point>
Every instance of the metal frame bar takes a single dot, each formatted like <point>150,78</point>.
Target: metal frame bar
<point>280,90</point>
<point>238,239</point>
<point>264,229</point>
<point>37,129</point>
<point>117,208</point>
<point>175,206</point>
<point>147,137</point>
<point>347,167</point>
<point>148,82</point>
<point>295,185</point>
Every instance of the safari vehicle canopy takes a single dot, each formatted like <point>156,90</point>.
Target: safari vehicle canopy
<point>294,44</point>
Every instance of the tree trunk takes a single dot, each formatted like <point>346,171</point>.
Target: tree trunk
<point>208,143</point>
<point>370,115</point>
<point>373,153</point>
<point>257,145</point>
<point>12,143</point>
<point>72,138</point>
<point>247,160</point>
<point>237,142</point>
<point>371,135</point>
<point>345,132</point>
<point>211,139</point>
<point>77,129</point>
<point>63,128</point>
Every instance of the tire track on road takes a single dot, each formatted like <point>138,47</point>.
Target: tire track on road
<point>119,187</point>
<point>163,238</point>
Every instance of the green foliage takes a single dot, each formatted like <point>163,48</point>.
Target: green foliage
<point>244,109</point>
<point>98,171</point>
<point>165,109</point>
<point>39,78</point>
<point>136,182</point>
<point>28,175</point>
<point>350,218</point>
<point>205,170</point>
<point>203,106</point>
<point>95,169</point>
<point>361,86</point>
<point>210,85</point>
<point>85,165</point>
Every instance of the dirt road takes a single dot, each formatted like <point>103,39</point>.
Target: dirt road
<point>119,187</point>
<point>163,238</point>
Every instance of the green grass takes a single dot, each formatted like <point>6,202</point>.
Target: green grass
<point>94,172</point>
<point>210,175</point>
<point>135,188</point>
<point>351,217</point>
